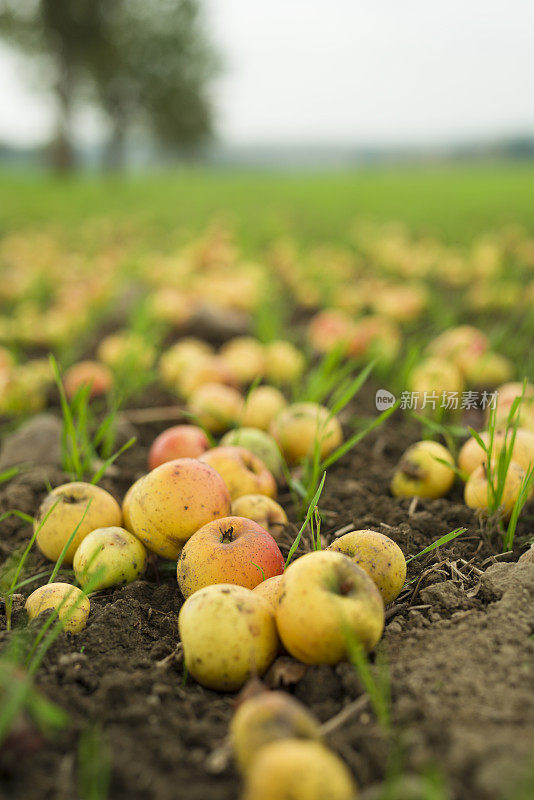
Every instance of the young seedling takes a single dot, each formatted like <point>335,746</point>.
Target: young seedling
<point>94,764</point>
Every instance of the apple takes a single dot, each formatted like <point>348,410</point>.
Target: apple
<point>402,303</point>
<point>228,634</point>
<point>126,348</point>
<point>173,306</point>
<point>435,376</point>
<point>330,329</point>
<point>375,336</point>
<point>461,345</point>
<point>489,370</point>
<point>506,395</point>
<point>241,470</point>
<point>420,474</point>
<point>76,504</point>
<point>70,603</point>
<point>263,510</point>
<point>379,556</point>
<point>299,426</point>
<point>472,454</point>
<point>181,357</point>
<point>115,552</point>
<point>126,506</point>
<point>212,370</point>
<point>269,717</point>
<point>261,444</point>
<point>244,357</point>
<point>88,373</point>
<point>262,404</point>
<point>269,589</point>
<point>283,362</point>
<point>477,489</point>
<point>180,441</point>
<point>229,550</point>
<point>173,501</point>
<point>6,360</point>
<point>325,598</point>
<point>294,769</point>
<point>215,406</point>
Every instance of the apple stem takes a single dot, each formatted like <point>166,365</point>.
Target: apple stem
<point>226,536</point>
<point>346,586</point>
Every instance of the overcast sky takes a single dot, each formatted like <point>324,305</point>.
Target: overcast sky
<point>351,71</point>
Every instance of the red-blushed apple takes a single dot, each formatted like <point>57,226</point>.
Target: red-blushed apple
<point>229,550</point>
<point>330,329</point>
<point>180,441</point>
<point>88,373</point>
<point>173,501</point>
<point>241,470</point>
<point>228,634</point>
<point>325,601</point>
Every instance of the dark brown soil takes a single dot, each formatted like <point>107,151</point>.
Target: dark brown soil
<point>458,643</point>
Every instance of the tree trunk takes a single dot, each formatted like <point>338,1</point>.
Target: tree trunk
<point>62,156</point>
<point>114,155</point>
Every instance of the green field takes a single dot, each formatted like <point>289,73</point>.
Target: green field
<point>453,202</point>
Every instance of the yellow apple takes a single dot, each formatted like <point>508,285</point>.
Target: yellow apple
<point>70,603</point>
<point>420,474</point>
<point>379,556</point>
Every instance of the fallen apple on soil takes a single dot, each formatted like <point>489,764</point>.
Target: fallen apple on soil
<point>379,556</point>
<point>298,770</point>
<point>477,492</point>
<point>244,357</point>
<point>114,553</point>
<point>283,362</point>
<point>263,510</point>
<point>241,470</point>
<point>325,598</point>
<point>262,404</point>
<point>472,454</point>
<point>179,441</point>
<point>300,426</point>
<point>420,474</point>
<point>70,603</point>
<point>229,550</point>
<point>216,407</point>
<point>269,589</point>
<point>173,501</point>
<point>88,373</point>
<point>261,444</point>
<point>181,357</point>
<point>228,634</point>
<point>75,502</point>
<point>269,717</point>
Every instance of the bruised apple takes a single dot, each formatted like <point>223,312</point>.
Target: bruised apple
<point>229,550</point>
<point>180,441</point>
<point>228,634</point>
<point>241,470</point>
<point>173,501</point>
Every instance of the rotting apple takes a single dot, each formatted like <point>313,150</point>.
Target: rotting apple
<point>173,501</point>
<point>477,491</point>
<point>268,717</point>
<point>228,634</point>
<point>298,770</point>
<point>216,407</point>
<point>260,443</point>
<point>245,358</point>
<point>179,441</point>
<point>229,550</point>
<point>76,504</point>
<point>300,426</point>
<point>420,474</point>
<point>70,603</point>
<point>241,470</point>
<point>263,510</point>
<point>115,553</point>
<point>261,406</point>
<point>379,556</point>
<point>325,599</point>
<point>98,377</point>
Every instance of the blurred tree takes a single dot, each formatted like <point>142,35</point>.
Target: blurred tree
<point>146,63</point>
